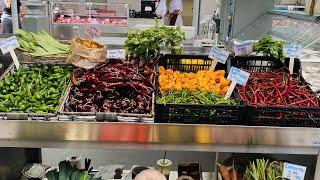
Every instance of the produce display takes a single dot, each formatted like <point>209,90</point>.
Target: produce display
<point>277,88</point>
<point>203,87</point>
<point>146,45</point>
<point>114,86</point>
<point>193,97</point>
<point>40,44</point>
<point>267,46</point>
<point>35,90</point>
<point>96,21</point>
<point>204,81</point>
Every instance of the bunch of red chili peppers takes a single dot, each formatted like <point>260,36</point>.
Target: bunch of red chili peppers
<point>277,88</point>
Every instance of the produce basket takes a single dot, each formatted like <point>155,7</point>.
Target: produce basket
<point>195,113</point>
<point>72,109</point>
<point>275,115</point>
<point>35,115</point>
<point>25,57</point>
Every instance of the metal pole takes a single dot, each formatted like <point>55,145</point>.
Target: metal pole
<point>15,15</point>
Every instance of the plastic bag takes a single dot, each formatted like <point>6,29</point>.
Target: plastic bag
<point>84,57</point>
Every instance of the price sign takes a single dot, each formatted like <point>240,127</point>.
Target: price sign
<point>219,55</point>
<point>243,48</point>
<point>93,31</point>
<point>116,54</point>
<point>292,51</point>
<point>293,171</point>
<point>237,76</point>
<point>9,45</point>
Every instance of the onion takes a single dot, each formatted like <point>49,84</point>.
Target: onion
<point>150,175</point>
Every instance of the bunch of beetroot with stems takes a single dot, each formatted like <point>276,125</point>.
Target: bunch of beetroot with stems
<point>277,88</point>
<point>115,86</point>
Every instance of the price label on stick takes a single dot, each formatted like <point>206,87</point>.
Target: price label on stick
<point>292,51</point>
<point>243,48</point>
<point>116,54</point>
<point>236,76</point>
<point>293,171</point>
<point>9,45</point>
<point>218,55</point>
<point>93,31</point>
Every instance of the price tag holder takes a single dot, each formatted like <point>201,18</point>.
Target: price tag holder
<point>292,51</point>
<point>293,171</point>
<point>244,48</point>
<point>8,46</point>
<point>236,76</point>
<point>116,54</point>
<point>219,55</point>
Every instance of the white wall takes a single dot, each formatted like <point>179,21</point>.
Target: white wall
<point>207,7</point>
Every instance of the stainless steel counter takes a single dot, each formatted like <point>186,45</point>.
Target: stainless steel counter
<point>159,136</point>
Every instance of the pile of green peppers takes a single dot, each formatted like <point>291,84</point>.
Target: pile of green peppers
<point>37,89</point>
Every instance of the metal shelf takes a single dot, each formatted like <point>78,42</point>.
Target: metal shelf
<point>73,134</point>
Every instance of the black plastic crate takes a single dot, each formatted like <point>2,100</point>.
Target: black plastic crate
<point>275,115</point>
<point>196,113</point>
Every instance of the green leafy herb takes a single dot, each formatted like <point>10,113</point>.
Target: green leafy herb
<point>269,47</point>
<point>264,170</point>
<point>148,44</point>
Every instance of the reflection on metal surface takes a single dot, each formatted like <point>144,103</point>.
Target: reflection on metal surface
<point>169,134</point>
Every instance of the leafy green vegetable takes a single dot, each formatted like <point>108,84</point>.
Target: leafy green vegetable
<point>263,170</point>
<point>148,44</point>
<point>66,172</point>
<point>193,97</point>
<point>269,47</point>
<point>40,44</point>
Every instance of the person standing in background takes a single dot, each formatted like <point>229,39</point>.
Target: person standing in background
<point>176,9</point>
<point>6,17</point>
<point>161,10</point>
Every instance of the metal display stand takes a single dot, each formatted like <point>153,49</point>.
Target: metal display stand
<point>178,137</point>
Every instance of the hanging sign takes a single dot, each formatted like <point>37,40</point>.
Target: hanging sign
<point>293,171</point>
<point>236,76</point>
<point>9,45</point>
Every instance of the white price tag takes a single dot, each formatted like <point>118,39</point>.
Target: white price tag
<point>239,76</point>
<point>9,45</point>
<point>116,54</point>
<point>236,76</point>
<point>293,171</point>
<point>243,48</point>
<point>10,42</point>
<point>292,50</point>
<point>219,55</point>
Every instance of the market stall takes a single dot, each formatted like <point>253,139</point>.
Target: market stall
<point>254,96</point>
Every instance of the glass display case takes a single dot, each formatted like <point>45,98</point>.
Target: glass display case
<point>68,17</point>
<point>302,30</point>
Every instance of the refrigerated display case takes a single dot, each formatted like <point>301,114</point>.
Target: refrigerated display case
<point>69,19</point>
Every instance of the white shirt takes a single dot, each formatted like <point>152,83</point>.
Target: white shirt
<point>177,5</point>
<point>161,8</point>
